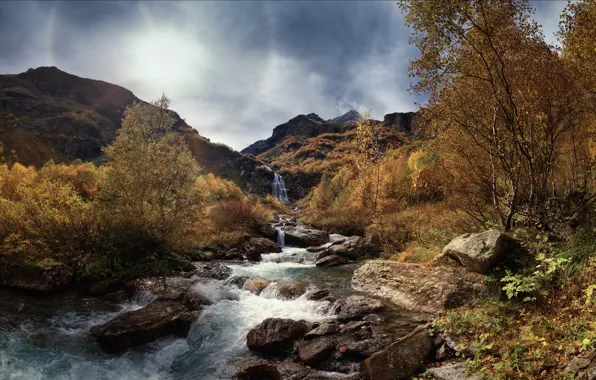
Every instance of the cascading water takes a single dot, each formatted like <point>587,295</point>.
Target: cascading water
<point>48,338</point>
<point>281,237</point>
<point>279,190</point>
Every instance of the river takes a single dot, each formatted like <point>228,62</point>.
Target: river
<point>47,337</point>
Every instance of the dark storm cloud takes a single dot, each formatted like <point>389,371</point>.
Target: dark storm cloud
<point>234,70</point>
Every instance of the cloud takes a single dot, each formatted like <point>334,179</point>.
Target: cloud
<point>234,70</point>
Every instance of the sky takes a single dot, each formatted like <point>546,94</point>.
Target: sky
<point>234,70</point>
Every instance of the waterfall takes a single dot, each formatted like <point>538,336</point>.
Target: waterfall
<point>279,186</point>
<point>281,237</point>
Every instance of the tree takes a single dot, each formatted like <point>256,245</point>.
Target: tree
<point>151,172</point>
<point>503,103</point>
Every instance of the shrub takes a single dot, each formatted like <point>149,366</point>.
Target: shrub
<point>236,215</point>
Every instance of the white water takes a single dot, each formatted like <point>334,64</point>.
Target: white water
<point>279,186</point>
<point>281,237</point>
<point>59,347</point>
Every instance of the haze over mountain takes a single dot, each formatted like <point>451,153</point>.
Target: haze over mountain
<point>232,69</point>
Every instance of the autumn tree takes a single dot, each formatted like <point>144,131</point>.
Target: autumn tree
<point>503,103</point>
<point>151,172</point>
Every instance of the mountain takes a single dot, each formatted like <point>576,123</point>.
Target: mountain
<point>351,116</point>
<point>48,114</point>
<point>302,126</point>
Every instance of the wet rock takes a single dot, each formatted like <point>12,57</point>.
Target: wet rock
<point>275,336</point>
<point>260,369</point>
<point>337,238</point>
<point>237,280</point>
<point>322,254</point>
<point>301,236</point>
<point>401,359</point>
<point>331,261</point>
<point>100,288</point>
<point>354,248</point>
<point>451,371</point>
<point>354,325</point>
<point>358,306</point>
<point>268,231</point>
<point>256,285</point>
<point>416,288</point>
<point>165,287</point>
<point>319,248</point>
<point>216,271</point>
<point>39,277</point>
<point>290,291</point>
<point>235,256</point>
<point>316,295</point>
<point>257,246</point>
<point>325,328</point>
<point>158,319</point>
<point>315,350</point>
<point>477,252</point>
<point>118,296</point>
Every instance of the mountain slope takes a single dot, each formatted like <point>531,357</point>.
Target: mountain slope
<point>46,113</point>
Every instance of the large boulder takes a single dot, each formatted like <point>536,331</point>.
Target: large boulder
<point>400,360</point>
<point>354,248</point>
<point>331,261</point>
<point>256,285</point>
<point>417,288</point>
<point>47,276</point>
<point>158,319</point>
<point>275,336</point>
<point>301,236</point>
<point>477,252</point>
<point>257,246</point>
<point>214,270</point>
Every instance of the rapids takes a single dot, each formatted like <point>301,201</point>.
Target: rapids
<point>47,337</point>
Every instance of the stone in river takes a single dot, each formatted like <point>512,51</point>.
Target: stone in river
<point>275,335</point>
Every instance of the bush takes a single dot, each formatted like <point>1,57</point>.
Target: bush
<point>237,215</point>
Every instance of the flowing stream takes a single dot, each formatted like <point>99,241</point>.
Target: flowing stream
<point>47,337</point>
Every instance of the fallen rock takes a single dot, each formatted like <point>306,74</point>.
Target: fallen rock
<point>325,328</point>
<point>354,248</point>
<point>416,288</point>
<point>357,306</point>
<point>317,294</point>
<point>256,285</point>
<point>401,359</point>
<point>451,371</point>
<point>300,236</point>
<point>331,261</point>
<point>37,277</point>
<point>158,319</point>
<point>477,252</point>
<point>275,335</point>
<point>315,350</point>
<point>257,246</point>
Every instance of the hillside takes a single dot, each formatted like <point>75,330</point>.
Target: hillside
<point>48,114</point>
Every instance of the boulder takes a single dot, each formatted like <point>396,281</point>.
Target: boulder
<point>259,369</point>
<point>416,288</point>
<point>477,252</point>
<point>36,277</point>
<point>401,359</point>
<point>319,248</point>
<point>315,350</point>
<point>357,306</point>
<point>301,236</point>
<point>166,287</point>
<point>325,328</point>
<point>256,285</point>
<point>322,254</point>
<point>354,248</point>
<point>158,319</point>
<point>337,238</point>
<point>257,246</point>
<point>268,231</point>
<point>317,295</point>
<point>451,371</point>
<point>275,335</point>
<point>331,261</point>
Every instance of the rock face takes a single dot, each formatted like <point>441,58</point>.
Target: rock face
<point>417,288</point>
<point>141,326</point>
<point>274,335</point>
<point>401,359</point>
<point>477,252</point>
<point>300,236</point>
<point>257,246</point>
<point>46,278</point>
